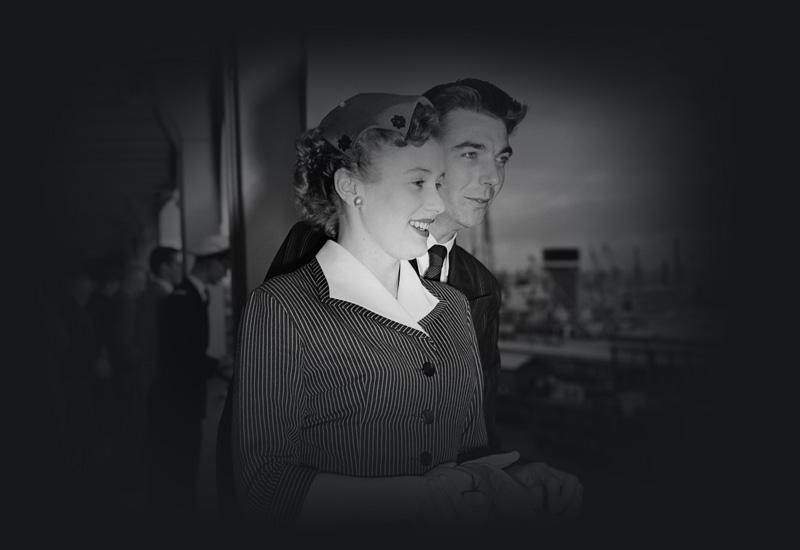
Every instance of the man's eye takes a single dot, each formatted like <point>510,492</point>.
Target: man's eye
<point>503,159</point>
<point>418,183</point>
<point>471,155</point>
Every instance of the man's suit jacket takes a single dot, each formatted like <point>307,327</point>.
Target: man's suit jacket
<point>147,328</point>
<point>184,366</point>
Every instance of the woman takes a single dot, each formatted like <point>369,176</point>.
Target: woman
<point>355,379</point>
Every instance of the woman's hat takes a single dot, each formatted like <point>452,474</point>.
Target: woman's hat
<point>347,121</point>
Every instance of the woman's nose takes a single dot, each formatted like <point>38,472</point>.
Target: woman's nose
<point>433,201</point>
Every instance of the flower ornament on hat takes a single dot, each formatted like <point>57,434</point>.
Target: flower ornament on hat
<point>344,143</point>
<point>211,245</point>
<point>347,121</point>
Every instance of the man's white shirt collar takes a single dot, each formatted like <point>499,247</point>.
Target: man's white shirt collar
<point>424,261</point>
<point>199,285</point>
<point>351,281</point>
<point>166,285</point>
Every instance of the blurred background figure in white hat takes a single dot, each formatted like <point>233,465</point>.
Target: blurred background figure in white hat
<point>211,245</point>
<point>178,401</point>
<point>212,261</point>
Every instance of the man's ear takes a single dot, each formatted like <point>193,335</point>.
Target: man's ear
<point>346,185</point>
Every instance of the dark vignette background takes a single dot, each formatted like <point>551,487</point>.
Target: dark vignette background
<point>51,59</point>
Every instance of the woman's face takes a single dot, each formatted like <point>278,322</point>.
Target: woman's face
<point>401,197</point>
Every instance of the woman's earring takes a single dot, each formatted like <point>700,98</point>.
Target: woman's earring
<point>358,201</point>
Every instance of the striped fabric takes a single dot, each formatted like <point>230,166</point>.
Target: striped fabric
<point>324,385</point>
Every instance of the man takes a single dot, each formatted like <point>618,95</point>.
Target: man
<point>77,348</point>
<point>166,271</point>
<point>103,308</point>
<point>477,118</point>
<point>178,400</point>
<point>128,380</point>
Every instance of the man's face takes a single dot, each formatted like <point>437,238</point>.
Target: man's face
<point>173,271</point>
<point>476,151</point>
<point>218,268</point>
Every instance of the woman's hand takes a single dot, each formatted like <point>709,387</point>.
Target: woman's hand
<point>549,490</point>
<point>507,498</point>
<point>453,497</point>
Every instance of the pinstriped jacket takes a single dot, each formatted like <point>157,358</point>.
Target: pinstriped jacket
<point>467,274</point>
<point>326,385</point>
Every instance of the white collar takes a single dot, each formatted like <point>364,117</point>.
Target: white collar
<point>351,281</point>
<point>199,285</point>
<point>163,283</point>
<point>448,245</point>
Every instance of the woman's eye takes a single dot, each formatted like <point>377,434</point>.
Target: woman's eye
<point>418,183</point>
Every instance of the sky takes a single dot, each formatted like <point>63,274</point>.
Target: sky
<point>615,149</point>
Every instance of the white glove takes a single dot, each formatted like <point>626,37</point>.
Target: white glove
<point>453,498</point>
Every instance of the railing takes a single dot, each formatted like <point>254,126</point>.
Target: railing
<point>651,351</point>
<point>627,403</point>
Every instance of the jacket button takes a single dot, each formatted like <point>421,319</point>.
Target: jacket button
<point>426,458</point>
<point>428,416</point>
<point>428,369</point>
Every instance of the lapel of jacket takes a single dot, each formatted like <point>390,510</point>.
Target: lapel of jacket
<point>193,315</point>
<point>324,296</point>
<point>191,291</point>
<point>462,276</point>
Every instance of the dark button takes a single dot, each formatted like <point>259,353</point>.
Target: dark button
<point>428,416</point>
<point>426,458</point>
<point>428,369</point>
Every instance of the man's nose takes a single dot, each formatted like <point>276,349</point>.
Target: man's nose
<point>490,174</point>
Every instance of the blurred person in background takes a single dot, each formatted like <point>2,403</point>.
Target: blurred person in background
<point>177,402</point>
<point>129,385</point>
<point>108,273</point>
<point>166,272</point>
<point>76,356</point>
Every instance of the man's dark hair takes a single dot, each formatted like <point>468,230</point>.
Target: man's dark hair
<point>479,96</point>
<point>161,255</point>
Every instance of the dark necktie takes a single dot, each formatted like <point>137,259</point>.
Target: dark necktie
<point>436,255</point>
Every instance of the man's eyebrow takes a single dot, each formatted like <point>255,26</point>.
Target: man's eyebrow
<point>507,150</point>
<point>470,145</point>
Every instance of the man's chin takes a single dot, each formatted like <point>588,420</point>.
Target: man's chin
<point>476,218</point>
